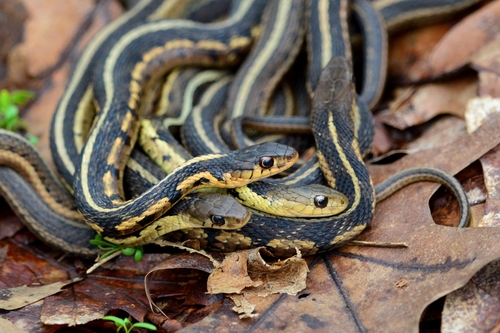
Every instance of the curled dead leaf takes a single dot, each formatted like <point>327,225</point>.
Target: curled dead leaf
<point>16,298</point>
<point>415,106</point>
<point>247,272</point>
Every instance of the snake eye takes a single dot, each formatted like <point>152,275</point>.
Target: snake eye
<point>320,201</point>
<point>218,220</point>
<point>266,162</point>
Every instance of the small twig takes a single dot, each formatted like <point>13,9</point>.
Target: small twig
<point>103,261</point>
<point>377,244</point>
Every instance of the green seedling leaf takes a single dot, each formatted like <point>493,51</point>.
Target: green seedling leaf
<point>33,139</point>
<point>139,253</point>
<point>11,112</point>
<point>107,254</point>
<point>147,326</point>
<point>20,97</point>
<point>128,251</point>
<point>111,248</point>
<point>116,320</point>
<point>4,100</point>
<point>11,124</point>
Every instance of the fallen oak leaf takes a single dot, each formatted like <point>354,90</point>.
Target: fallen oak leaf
<point>242,306</point>
<point>16,298</point>
<point>283,276</point>
<point>416,105</point>
<point>7,326</point>
<point>247,272</point>
<point>408,52</point>
<point>451,54</point>
<point>474,307</point>
<point>184,298</point>
<point>486,63</point>
<point>355,288</point>
<point>231,277</point>
<point>120,286</point>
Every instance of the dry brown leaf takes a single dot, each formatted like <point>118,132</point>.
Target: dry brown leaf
<point>451,53</point>
<point>247,272</point>
<point>46,19</point>
<point>381,140</point>
<point>242,306</point>
<point>12,20</point>
<point>475,307</point>
<point>9,223</point>
<point>183,298</point>
<point>7,326</point>
<point>408,52</point>
<point>415,106</point>
<point>120,286</point>
<point>480,110</point>
<point>356,289</point>
<point>442,131</point>
<point>486,62</point>
<point>16,298</point>
<point>231,277</point>
<point>486,58</point>
<point>489,84</point>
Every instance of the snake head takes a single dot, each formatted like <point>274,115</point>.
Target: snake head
<point>336,82</point>
<point>259,161</point>
<point>312,201</point>
<point>218,211</point>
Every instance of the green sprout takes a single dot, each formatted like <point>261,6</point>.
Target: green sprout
<point>127,325</point>
<point>9,111</point>
<point>110,248</point>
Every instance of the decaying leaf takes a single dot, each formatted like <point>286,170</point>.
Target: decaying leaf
<point>9,225</point>
<point>489,84</point>
<point>415,106</point>
<point>441,131</point>
<point>451,53</point>
<point>15,298</point>
<point>120,286</point>
<point>7,326</point>
<point>486,63</point>
<point>183,298</point>
<point>247,272</point>
<point>475,307</point>
<point>242,306</point>
<point>408,52</point>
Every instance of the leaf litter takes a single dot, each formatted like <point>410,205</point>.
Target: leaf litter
<point>350,289</point>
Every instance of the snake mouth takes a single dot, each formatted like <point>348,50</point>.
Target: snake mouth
<point>243,221</point>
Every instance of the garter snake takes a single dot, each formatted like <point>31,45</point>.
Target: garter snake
<point>102,101</point>
<point>340,160</point>
<point>61,118</point>
<point>163,148</point>
<point>274,52</point>
<point>306,201</point>
<point>73,116</point>
<point>43,205</point>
